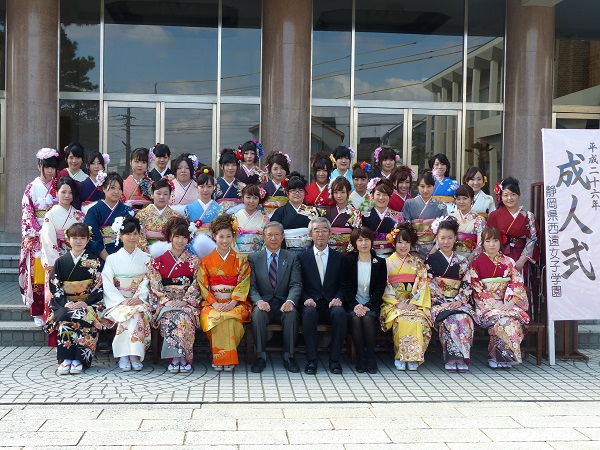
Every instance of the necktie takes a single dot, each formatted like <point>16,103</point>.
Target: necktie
<point>320,266</point>
<point>273,270</point>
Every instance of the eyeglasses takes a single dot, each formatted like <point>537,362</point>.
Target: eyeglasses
<point>296,191</point>
<point>274,235</point>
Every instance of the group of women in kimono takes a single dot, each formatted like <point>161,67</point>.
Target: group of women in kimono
<point>166,249</point>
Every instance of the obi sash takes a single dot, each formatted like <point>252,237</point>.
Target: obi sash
<point>381,245</point>
<point>153,236</point>
<point>128,284</point>
<point>39,274</point>
<point>496,286</point>
<point>77,290</point>
<point>108,235</point>
<point>40,213</point>
<point>222,287</point>
<point>340,238</point>
<point>466,242</point>
<point>424,231</point>
<point>448,286</point>
<point>249,241</point>
<point>272,203</point>
<point>296,238</point>
<point>444,198</point>
<point>406,279</point>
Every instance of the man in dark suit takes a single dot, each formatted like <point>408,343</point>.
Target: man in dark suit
<point>322,295</point>
<point>275,288</point>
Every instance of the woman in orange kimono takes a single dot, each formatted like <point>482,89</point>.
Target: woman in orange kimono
<point>224,280</point>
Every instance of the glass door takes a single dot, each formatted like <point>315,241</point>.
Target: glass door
<point>577,121</point>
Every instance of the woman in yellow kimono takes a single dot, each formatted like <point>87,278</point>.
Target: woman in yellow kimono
<point>224,280</point>
<point>406,301</point>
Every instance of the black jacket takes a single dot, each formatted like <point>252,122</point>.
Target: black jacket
<point>377,285</point>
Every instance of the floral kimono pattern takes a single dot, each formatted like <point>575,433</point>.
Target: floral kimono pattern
<point>173,280</point>
<point>137,193</point>
<point>123,279</point>
<point>470,227</point>
<point>38,198</point>
<point>455,324</point>
<point>521,230</point>
<point>222,280</point>
<point>499,281</point>
<point>152,221</point>
<point>205,213</point>
<point>407,284</point>
<point>421,215</point>
<point>445,192</point>
<point>77,329</point>
<point>183,195</point>
<point>381,225</point>
<point>228,195</point>
<point>249,237</point>
<point>100,217</point>
<point>315,196</point>
<point>342,222</point>
<point>363,204</point>
<point>483,204</point>
<point>253,175</point>
<point>89,194</point>
<point>295,224</point>
<point>276,199</point>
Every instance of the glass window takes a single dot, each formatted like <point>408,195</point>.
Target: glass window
<point>332,48</point>
<point>79,122</point>
<point>79,46</point>
<point>2,44</point>
<point>330,127</point>
<point>577,53</point>
<point>484,145</point>
<point>406,49</point>
<point>161,47</point>
<point>485,58</point>
<point>376,130</point>
<point>241,47</point>
<point>433,134</point>
<point>189,130</point>
<point>239,123</point>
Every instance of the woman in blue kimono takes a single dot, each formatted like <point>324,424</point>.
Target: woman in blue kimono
<point>228,188</point>
<point>445,187</point>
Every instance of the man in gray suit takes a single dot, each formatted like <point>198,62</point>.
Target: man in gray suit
<point>275,288</point>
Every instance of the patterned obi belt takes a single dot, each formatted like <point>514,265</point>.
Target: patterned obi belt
<point>154,236</point>
<point>77,290</point>
<point>222,287</point>
<point>340,239</point>
<point>137,204</point>
<point>229,202</point>
<point>249,241</point>
<point>424,231</point>
<point>516,242</point>
<point>448,286</point>
<point>272,203</point>
<point>381,245</point>
<point>444,198</point>
<point>496,287</point>
<point>40,214</point>
<point>183,281</point>
<point>402,282</point>
<point>108,235</point>
<point>296,238</point>
<point>466,242</point>
<point>128,284</point>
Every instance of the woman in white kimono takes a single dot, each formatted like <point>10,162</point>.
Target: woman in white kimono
<point>126,296</point>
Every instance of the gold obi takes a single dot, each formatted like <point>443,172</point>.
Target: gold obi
<point>39,274</point>
<point>449,287</point>
<point>108,235</point>
<point>77,290</point>
<point>424,231</point>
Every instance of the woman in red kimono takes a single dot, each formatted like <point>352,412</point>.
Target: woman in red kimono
<point>317,193</point>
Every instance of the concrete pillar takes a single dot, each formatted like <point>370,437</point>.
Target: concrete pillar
<point>31,95</point>
<point>286,70</point>
<point>528,98</point>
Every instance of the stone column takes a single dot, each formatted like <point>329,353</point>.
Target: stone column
<point>31,95</point>
<point>528,91</point>
<point>286,69</point>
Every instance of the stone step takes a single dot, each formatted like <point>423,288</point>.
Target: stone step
<point>589,336</point>
<point>9,261</point>
<point>9,275</point>
<point>10,248</point>
<point>15,313</point>
<point>21,334</point>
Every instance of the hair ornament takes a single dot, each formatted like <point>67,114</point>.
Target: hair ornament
<point>117,227</point>
<point>259,147</point>
<point>106,158</point>
<point>352,152</point>
<point>376,154</point>
<point>194,227</point>
<point>100,177</point>
<point>287,157</point>
<point>46,153</point>
<point>263,192</point>
<point>391,236</point>
<point>284,182</point>
<point>372,183</point>
<point>436,223</point>
<point>234,224</point>
<point>194,160</point>
<point>397,158</point>
<point>208,171</point>
<point>504,237</point>
<point>332,159</point>
<point>484,179</point>
<point>66,148</point>
<point>239,156</point>
<point>365,166</point>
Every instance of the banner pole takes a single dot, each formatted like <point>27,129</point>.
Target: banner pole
<point>551,343</point>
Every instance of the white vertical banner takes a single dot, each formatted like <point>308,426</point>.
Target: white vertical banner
<point>572,217</point>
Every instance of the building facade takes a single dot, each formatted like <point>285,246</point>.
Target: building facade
<point>474,79</point>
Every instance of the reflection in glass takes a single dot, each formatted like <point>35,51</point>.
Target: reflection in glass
<point>376,130</point>
<point>403,48</point>
<point>583,123</point>
<point>239,123</point>
<point>129,128</point>
<point>241,47</point>
<point>485,58</point>
<point>484,145</point>
<point>161,47</point>
<point>79,122</point>
<point>332,47</point>
<point>330,127</point>
<point>189,131</point>
<point>79,46</point>
<point>431,135</point>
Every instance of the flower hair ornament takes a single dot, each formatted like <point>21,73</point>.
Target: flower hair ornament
<point>151,155</point>
<point>194,227</point>
<point>106,158</point>
<point>194,160</point>
<point>100,177</point>
<point>365,166</point>
<point>332,159</point>
<point>391,236</point>
<point>287,157</point>
<point>117,227</point>
<point>263,192</point>
<point>498,191</point>
<point>284,182</point>
<point>234,224</point>
<point>352,152</point>
<point>259,147</point>
<point>436,224</point>
<point>504,237</point>
<point>372,183</point>
<point>46,153</point>
<point>239,155</point>
<point>376,154</point>
<point>205,170</point>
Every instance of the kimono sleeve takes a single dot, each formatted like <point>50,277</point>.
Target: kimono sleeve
<point>156,291</point>
<point>112,296</point>
<point>30,226</point>
<point>240,292</point>
<point>97,292</point>
<point>49,243</point>
<point>203,283</point>
<point>59,298</point>
<point>532,248</point>
<point>192,294</point>
<point>482,299</point>
<point>515,290</point>
<point>421,295</point>
<point>93,219</point>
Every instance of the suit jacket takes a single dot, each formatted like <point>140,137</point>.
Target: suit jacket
<point>289,278</point>
<point>377,285</point>
<point>312,287</point>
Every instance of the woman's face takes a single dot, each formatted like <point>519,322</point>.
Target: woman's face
<point>387,165</point>
<point>78,243</point>
<point>341,197</point>
<point>277,173</point>
<point>183,172</point>
<point>205,191</point>
<point>403,187</point>
<point>439,168</point>
<point>510,199</point>
<point>161,162</point>
<point>139,167</point>
<point>251,202</point>
<point>491,246</point>
<point>363,244</point>
<point>113,192</point>
<point>425,190</point>
<point>381,199</point>
<point>229,170</point>
<point>249,157</point>
<point>464,203</point>
<point>360,184</point>
<point>476,182</point>
<point>179,242</point>
<point>446,240</point>
<point>224,239</point>
<point>74,162</point>
<point>130,240</point>
<point>161,197</point>
<point>321,176</point>
<point>65,196</point>
<point>342,163</point>
<point>402,247</point>
<point>47,173</point>
<point>95,167</point>
<point>296,196</point>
